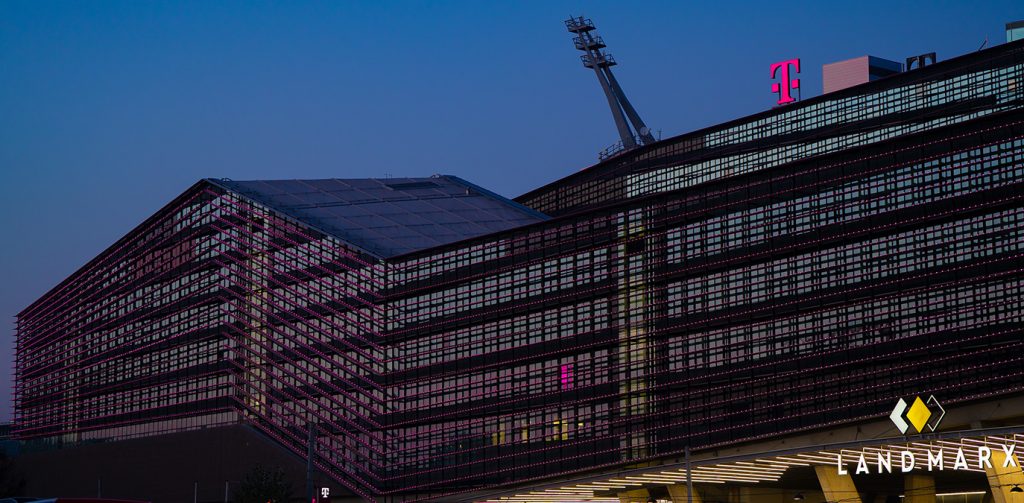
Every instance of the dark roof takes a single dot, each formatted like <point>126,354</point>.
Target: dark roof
<point>389,217</point>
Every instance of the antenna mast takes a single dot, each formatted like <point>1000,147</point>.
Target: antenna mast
<point>595,58</point>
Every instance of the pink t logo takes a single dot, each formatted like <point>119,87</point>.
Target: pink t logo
<point>783,88</point>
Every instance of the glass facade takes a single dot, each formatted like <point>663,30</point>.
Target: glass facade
<point>787,300</point>
<point>781,274</point>
<point>955,91</point>
<point>215,311</point>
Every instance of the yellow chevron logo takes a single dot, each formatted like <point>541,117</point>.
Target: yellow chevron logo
<point>919,414</point>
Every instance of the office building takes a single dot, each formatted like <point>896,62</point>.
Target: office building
<point>741,309</point>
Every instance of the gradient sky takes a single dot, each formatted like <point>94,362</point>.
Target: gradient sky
<point>108,110</point>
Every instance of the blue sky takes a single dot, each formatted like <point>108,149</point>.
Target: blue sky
<point>108,110</point>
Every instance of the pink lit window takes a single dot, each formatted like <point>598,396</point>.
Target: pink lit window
<point>568,376</point>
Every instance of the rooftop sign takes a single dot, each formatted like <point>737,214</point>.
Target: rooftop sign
<point>786,83</point>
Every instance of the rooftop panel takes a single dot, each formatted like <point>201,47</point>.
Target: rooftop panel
<point>392,216</point>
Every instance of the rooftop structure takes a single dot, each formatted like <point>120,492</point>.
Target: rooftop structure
<point>595,58</point>
<point>856,71</point>
<point>392,216</point>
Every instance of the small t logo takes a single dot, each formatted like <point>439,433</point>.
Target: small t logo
<point>325,492</point>
<point>783,88</point>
